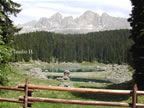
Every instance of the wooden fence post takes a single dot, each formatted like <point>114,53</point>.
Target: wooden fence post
<point>29,95</point>
<point>134,96</point>
<point>26,94</point>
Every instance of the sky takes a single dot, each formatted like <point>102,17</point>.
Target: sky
<point>35,9</point>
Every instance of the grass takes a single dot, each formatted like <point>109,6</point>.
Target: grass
<point>16,77</point>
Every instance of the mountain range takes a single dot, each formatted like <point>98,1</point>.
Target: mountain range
<point>89,21</point>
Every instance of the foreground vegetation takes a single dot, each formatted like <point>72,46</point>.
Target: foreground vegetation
<point>17,77</point>
<point>7,29</point>
<point>137,35</point>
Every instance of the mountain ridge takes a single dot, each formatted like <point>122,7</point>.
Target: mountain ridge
<point>89,21</point>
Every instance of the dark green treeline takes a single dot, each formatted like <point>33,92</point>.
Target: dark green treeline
<point>106,46</point>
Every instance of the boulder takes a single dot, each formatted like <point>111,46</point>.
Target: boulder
<point>37,72</point>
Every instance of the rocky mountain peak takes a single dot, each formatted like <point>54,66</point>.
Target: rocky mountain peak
<point>89,21</point>
<point>57,15</point>
<point>105,14</point>
<point>89,14</point>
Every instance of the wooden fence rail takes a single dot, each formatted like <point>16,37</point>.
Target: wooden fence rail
<point>82,90</point>
<point>28,100</point>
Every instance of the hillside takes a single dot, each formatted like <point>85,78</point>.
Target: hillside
<point>107,47</point>
<point>18,76</point>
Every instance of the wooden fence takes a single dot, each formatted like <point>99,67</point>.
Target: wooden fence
<point>28,100</point>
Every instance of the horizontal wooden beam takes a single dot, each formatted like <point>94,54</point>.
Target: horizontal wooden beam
<point>14,88</point>
<point>11,88</point>
<point>82,90</point>
<point>49,100</point>
<point>10,100</point>
<point>13,100</point>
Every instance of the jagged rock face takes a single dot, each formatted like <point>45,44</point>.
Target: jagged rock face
<point>89,19</point>
<point>88,22</point>
<point>68,22</point>
<point>109,22</point>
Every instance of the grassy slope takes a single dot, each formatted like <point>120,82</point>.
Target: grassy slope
<point>16,78</point>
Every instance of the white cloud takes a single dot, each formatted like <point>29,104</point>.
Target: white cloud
<point>60,7</point>
<point>37,12</point>
<point>116,3</point>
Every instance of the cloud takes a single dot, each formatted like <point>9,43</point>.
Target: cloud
<point>34,9</point>
<point>60,7</point>
<point>37,12</point>
<point>121,3</point>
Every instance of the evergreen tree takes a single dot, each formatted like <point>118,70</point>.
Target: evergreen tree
<point>7,30</point>
<point>4,58</point>
<point>137,50</point>
<point>8,8</point>
<point>107,46</point>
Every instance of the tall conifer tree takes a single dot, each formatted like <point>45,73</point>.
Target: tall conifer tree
<point>7,30</point>
<point>137,24</point>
